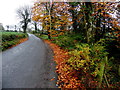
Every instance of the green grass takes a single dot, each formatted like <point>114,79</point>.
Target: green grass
<point>42,36</point>
<point>11,38</point>
<point>67,41</point>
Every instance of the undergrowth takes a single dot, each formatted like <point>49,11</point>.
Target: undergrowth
<point>82,65</point>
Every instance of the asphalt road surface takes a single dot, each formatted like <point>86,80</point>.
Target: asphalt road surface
<point>28,65</point>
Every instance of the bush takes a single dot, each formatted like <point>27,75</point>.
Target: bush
<point>68,41</point>
<point>86,55</point>
<point>92,60</point>
<point>11,38</point>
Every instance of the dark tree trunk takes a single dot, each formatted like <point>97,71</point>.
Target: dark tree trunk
<point>98,23</point>
<point>49,37</point>
<point>88,14</point>
<point>74,19</point>
<point>36,30</point>
<point>25,27</point>
<point>104,29</point>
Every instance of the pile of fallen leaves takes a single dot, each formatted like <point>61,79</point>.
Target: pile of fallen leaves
<point>22,40</point>
<point>67,76</point>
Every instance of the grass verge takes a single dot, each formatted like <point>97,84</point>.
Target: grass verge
<point>11,39</point>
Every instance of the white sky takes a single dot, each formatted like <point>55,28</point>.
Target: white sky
<point>8,9</point>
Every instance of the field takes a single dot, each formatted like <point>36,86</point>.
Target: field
<point>11,38</point>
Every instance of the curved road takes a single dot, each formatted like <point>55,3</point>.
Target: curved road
<point>28,65</point>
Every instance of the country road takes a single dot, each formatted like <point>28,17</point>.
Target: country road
<point>28,65</point>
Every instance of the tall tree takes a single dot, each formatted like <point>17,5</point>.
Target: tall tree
<point>35,26</point>
<point>42,13</point>
<point>7,27</point>
<point>74,11</point>
<point>24,13</point>
<point>51,15</point>
<point>92,20</point>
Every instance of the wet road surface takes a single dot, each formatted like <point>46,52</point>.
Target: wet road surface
<point>28,65</point>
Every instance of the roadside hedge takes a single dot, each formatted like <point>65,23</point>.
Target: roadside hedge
<point>11,38</point>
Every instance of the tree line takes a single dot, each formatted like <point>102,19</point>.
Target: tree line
<point>92,19</point>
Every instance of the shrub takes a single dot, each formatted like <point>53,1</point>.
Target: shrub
<point>11,38</point>
<point>68,41</point>
<point>92,60</point>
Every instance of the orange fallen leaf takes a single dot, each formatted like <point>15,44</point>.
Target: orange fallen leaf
<point>52,79</point>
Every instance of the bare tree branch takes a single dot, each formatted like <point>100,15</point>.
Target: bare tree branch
<point>24,13</point>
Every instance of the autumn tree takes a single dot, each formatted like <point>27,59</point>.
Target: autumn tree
<point>105,21</point>
<point>75,12</point>
<point>51,16</point>
<point>35,24</point>
<point>92,20</point>
<point>24,13</point>
<point>81,14</point>
<point>42,13</point>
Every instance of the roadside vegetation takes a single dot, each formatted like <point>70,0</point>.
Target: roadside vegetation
<point>10,39</point>
<point>85,39</point>
<point>82,65</point>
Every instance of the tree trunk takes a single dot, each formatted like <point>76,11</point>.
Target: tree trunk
<point>49,37</point>
<point>98,23</point>
<point>88,24</point>
<point>35,24</point>
<point>74,20</point>
<point>25,27</point>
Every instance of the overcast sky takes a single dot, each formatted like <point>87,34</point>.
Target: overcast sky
<point>8,10</point>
